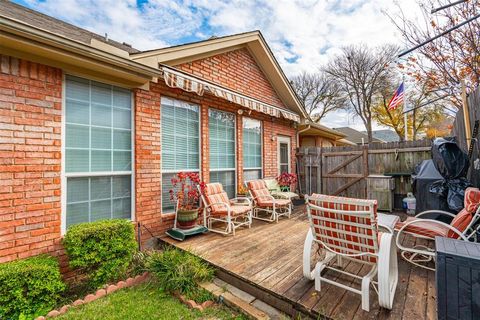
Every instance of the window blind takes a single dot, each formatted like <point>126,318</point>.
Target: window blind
<point>252,149</point>
<point>180,143</point>
<point>221,126</point>
<point>98,139</point>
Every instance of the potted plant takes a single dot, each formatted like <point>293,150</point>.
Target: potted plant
<point>287,181</point>
<point>186,195</point>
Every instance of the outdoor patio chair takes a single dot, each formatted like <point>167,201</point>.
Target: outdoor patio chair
<point>275,190</point>
<point>463,226</point>
<point>347,229</point>
<point>234,213</point>
<point>265,203</point>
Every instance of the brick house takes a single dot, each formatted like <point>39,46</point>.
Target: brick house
<point>91,128</point>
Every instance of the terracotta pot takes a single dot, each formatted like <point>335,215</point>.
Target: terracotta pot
<point>187,219</point>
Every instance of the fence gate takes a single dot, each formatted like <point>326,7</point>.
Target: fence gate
<point>345,172</point>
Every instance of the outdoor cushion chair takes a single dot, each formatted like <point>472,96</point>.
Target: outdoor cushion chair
<point>234,213</point>
<point>347,229</point>
<point>275,190</point>
<point>463,226</point>
<point>265,203</point>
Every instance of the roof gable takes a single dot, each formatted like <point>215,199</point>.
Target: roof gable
<point>253,42</point>
<point>236,70</point>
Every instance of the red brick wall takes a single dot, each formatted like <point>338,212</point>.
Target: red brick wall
<point>30,158</point>
<point>30,155</point>
<point>238,71</point>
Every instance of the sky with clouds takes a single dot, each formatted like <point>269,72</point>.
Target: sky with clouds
<point>302,34</point>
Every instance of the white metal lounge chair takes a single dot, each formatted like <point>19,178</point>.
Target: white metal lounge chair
<point>234,213</point>
<point>463,226</point>
<point>347,229</point>
<point>265,203</point>
<point>276,191</point>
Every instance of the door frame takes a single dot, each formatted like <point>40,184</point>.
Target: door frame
<point>287,140</point>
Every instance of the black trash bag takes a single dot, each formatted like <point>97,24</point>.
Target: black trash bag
<point>453,191</point>
<point>452,163</point>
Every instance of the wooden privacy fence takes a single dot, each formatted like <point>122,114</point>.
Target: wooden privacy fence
<point>473,101</point>
<point>343,170</point>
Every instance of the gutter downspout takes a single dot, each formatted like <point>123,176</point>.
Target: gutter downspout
<point>298,134</point>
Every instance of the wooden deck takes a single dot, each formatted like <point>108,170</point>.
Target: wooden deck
<point>266,261</point>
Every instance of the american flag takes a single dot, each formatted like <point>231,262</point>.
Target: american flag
<point>397,98</point>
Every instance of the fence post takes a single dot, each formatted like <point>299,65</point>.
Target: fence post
<point>366,170</point>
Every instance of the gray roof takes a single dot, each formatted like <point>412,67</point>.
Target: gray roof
<point>39,20</point>
<point>356,136</point>
<point>385,135</point>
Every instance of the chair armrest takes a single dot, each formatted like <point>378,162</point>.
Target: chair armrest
<point>219,203</point>
<point>435,211</point>
<point>385,227</point>
<point>243,199</point>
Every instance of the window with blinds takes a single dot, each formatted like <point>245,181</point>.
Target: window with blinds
<point>98,151</point>
<point>180,143</point>
<point>252,149</point>
<point>221,126</point>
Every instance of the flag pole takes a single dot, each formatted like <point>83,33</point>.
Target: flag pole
<point>405,106</point>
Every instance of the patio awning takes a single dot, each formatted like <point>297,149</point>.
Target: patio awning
<point>176,79</point>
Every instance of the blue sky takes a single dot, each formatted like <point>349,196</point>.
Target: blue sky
<point>303,34</point>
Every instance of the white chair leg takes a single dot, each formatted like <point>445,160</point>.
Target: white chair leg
<point>366,293</point>
<point>307,253</point>
<point>387,271</point>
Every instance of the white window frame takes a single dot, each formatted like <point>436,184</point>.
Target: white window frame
<point>65,175</point>
<point>287,140</point>
<point>261,149</point>
<point>199,151</point>
<point>234,148</point>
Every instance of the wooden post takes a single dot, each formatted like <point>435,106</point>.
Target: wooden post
<point>366,170</point>
<point>466,115</point>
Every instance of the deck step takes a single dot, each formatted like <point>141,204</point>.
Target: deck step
<point>242,300</point>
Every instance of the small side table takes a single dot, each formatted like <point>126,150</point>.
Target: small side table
<point>389,220</point>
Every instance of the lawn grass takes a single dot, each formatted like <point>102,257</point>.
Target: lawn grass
<point>145,301</point>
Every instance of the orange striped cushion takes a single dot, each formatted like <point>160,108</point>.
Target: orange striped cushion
<point>423,228</point>
<point>260,192</point>
<point>269,203</point>
<point>214,194</point>
<point>339,234</point>
<point>234,211</point>
<point>472,200</point>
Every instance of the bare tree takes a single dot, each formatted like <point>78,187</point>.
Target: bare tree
<point>361,72</point>
<point>319,95</point>
<point>449,59</point>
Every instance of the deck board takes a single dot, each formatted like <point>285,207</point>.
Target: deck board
<point>269,255</point>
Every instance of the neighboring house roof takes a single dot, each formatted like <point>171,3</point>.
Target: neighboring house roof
<point>385,135</point>
<point>355,135</point>
<point>316,129</point>
<point>40,20</point>
<point>252,41</point>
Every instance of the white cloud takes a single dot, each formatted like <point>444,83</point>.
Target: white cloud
<point>302,34</point>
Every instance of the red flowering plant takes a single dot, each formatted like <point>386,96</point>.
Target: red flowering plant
<point>185,190</point>
<point>287,180</point>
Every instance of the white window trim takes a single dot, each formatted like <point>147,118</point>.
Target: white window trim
<point>287,140</point>
<point>261,148</point>
<point>64,175</point>
<point>234,148</point>
<point>199,170</point>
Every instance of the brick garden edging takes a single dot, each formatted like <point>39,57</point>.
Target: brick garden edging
<point>192,304</point>
<point>100,293</point>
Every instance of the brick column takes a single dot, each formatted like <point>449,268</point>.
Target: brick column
<point>239,145</point>
<point>148,171</point>
<point>30,158</point>
<point>204,144</point>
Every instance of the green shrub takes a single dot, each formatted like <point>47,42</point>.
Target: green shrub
<point>103,249</point>
<point>178,270</point>
<point>29,287</point>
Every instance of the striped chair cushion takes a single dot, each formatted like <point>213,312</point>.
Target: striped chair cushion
<point>214,194</point>
<point>349,231</point>
<point>262,196</point>
<point>460,222</point>
<point>235,210</point>
<point>423,228</point>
